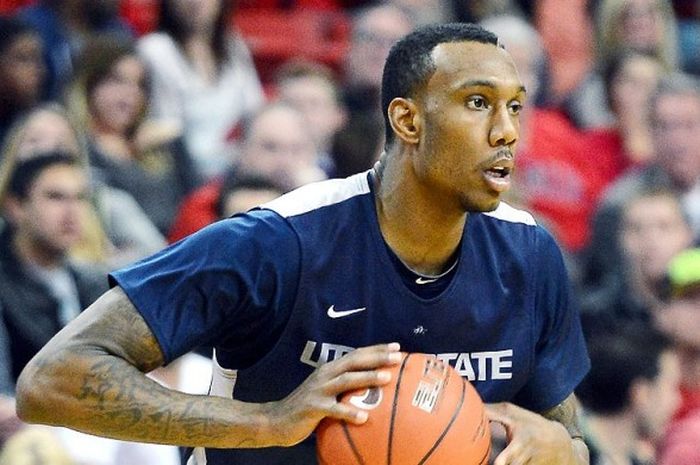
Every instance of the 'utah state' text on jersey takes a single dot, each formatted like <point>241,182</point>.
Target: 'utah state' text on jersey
<point>307,278</point>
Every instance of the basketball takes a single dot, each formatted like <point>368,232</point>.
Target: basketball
<point>428,414</point>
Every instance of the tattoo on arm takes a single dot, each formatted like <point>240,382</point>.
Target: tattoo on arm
<point>567,413</point>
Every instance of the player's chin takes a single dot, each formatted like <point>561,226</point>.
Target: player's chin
<point>487,203</point>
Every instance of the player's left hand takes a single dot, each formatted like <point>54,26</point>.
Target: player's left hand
<point>532,439</point>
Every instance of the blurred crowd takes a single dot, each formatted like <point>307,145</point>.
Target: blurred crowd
<point>127,125</point>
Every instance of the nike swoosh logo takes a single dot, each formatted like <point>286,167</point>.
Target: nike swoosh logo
<point>422,280</point>
<point>333,313</point>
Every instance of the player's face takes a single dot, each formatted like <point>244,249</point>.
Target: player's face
<point>469,111</point>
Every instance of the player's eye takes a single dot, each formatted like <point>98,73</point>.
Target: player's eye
<point>477,102</point>
<point>515,107</point>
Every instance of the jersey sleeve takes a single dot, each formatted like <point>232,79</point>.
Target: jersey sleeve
<point>561,357</point>
<point>201,289</point>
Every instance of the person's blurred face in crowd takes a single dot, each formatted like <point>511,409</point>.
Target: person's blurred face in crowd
<point>315,98</point>
<point>197,15</point>
<point>118,100</point>
<point>676,123</point>
<point>633,84</point>
<point>279,145</point>
<point>373,34</point>
<point>22,71</point>
<point>653,231</point>
<point>641,25</point>
<point>46,131</point>
<point>658,399</point>
<point>51,214</point>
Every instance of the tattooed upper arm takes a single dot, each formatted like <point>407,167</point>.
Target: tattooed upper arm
<point>113,324</point>
<point>566,413</point>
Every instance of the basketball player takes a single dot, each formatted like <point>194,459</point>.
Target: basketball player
<point>419,250</point>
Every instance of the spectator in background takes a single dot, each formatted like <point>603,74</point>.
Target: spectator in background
<point>630,79</point>
<point>652,230</point>
<point>203,78</point>
<point>678,318</point>
<point>148,159</point>
<point>65,27</point>
<point>629,395</point>
<point>374,30</point>
<point>312,89</point>
<point>675,120</point>
<point>240,193</point>
<point>21,70</point>
<point>40,289</point>
<point>276,144</point>
<point>117,230</point>
<point>643,26</point>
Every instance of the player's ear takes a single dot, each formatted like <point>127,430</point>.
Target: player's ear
<point>405,119</point>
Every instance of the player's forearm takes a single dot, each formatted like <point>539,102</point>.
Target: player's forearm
<point>103,394</point>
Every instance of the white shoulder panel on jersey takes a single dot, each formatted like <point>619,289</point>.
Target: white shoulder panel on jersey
<point>319,194</point>
<point>507,213</point>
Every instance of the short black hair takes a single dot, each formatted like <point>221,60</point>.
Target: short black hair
<point>27,171</point>
<point>619,357</point>
<point>410,63</point>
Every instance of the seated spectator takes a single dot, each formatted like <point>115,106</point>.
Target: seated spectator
<point>40,289</point>
<point>312,89</point>
<point>374,31</point>
<point>652,230</point>
<point>675,122</point>
<point>147,159</point>
<point>630,80</point>
<point>21,71</point>
<point>276,144</point>
<point>203,78</point>
<point>629,395</point>
<point>240,193</point>
<point>643,26</point>
<point>117,230</point>
<point>678,318</point>
<point>65,27</point>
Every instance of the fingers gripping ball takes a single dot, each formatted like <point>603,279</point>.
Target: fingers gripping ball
<point>426,415</point>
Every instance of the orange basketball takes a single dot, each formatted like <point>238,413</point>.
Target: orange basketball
<point>426,415</point>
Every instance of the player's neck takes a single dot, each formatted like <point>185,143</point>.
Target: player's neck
<point>416,224</point>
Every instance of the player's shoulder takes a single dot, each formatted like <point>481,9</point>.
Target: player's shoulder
<point>511,215</point>
<point>317,196</point>
<point>518,226</point>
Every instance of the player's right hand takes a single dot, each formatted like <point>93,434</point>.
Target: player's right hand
<point>294,418</point>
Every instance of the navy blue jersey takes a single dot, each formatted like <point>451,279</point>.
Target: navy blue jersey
<point>308,278</point>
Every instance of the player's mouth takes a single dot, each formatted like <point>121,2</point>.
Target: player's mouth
<point>497,175</point>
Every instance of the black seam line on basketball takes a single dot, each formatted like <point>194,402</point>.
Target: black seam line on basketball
<point>484,460</point>
<point>353,447</point>
<point>449,425</point>
<point>394,408</point>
